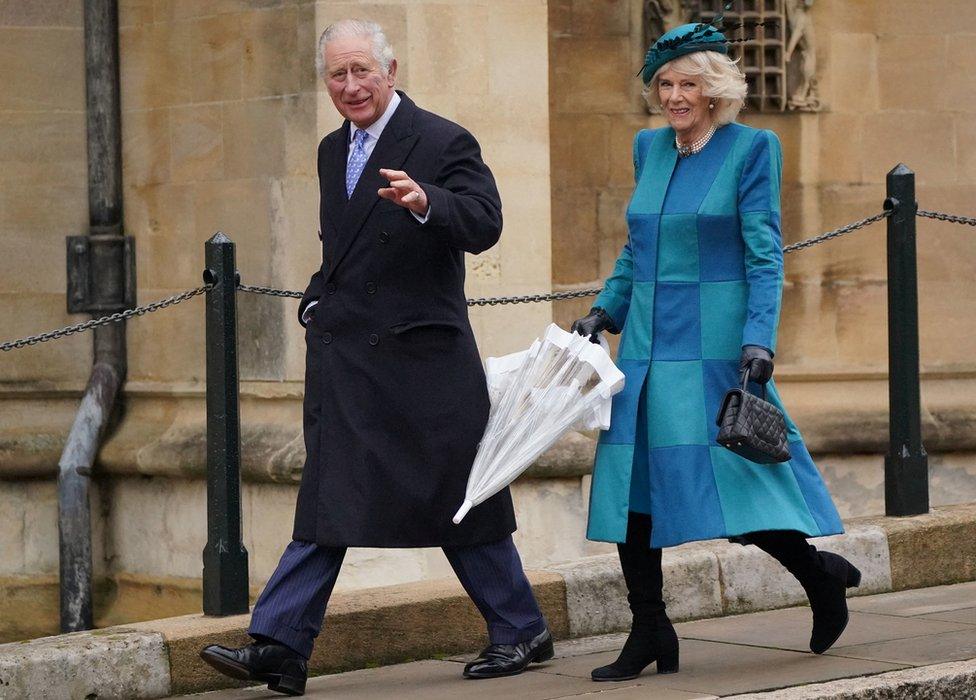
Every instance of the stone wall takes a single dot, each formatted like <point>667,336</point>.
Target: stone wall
<point>896,81</point>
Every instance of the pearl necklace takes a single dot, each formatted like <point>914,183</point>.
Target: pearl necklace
<point>695,146</point>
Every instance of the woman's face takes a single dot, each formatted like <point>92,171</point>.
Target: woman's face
<point>684,104</point>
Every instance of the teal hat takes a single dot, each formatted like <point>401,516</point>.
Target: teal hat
<point>688,38</point>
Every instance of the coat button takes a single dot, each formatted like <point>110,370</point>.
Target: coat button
<point>385,237</point>
<point>371,287</point>
<point>330,288</point>
<point>327,337</point>
<point>374,339</point>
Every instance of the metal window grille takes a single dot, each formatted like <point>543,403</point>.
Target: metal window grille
<point>760,42</point>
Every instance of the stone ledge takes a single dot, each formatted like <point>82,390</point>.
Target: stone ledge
<point>112,663</point>
<point>932,549</point>
<point>949,681</point>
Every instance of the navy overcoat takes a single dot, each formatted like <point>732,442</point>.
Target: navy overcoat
<point>395,396</point>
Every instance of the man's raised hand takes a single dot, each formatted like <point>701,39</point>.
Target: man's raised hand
<point>404,191</point>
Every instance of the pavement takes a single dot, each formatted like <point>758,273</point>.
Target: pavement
<point>909,644</point>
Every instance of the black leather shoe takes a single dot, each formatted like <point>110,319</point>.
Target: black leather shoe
<point>499,660</point>
<point>284,670</point>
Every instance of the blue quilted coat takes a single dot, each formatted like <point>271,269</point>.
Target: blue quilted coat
<point>701,275</point>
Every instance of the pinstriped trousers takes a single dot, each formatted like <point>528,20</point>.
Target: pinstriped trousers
<point>292,606</point>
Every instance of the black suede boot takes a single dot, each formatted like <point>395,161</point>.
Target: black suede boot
<point>652,637</point>
<point>825,576</point>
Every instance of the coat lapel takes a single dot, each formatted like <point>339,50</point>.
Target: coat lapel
<point>333,191</point>
<point>395,144</point>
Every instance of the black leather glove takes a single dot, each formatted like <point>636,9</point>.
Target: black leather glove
<point>594,322</point>
<point>759,361</point>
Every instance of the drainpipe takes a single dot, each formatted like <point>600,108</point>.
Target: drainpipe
<point>101,280</point>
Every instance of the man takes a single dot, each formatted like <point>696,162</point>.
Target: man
<point>395,396</point>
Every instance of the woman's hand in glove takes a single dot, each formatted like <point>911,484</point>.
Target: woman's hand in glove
<point>759,361</point>
<point>594,322</point>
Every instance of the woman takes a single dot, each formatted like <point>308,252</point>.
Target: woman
<point>696,294</point>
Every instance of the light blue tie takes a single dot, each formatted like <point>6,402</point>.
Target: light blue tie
<point>357,161</point>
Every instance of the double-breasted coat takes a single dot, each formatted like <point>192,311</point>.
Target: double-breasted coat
<point>701,276</point>
<point>395,394</point>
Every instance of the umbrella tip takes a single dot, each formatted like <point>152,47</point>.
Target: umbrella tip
<point>462,511</point>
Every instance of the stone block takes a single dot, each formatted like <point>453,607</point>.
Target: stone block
<point>900,16</point>
<point>196,143</point>
<point>860,17</point>
<point>961,56</point>
<point>851,81</point>
<point>601,18</point>
<point>518,47</point>
<point>620,149</point>
<point>906,65</point>
<point>84,664</point>
<point>932,549</point>
<point>553,505</point>
<point>241,209</point>
<point>39,146</point>
<point>449,45</point>
<point>64,360</point>
<point>156,65</point>
<point>841,148</point>
<point>272,62</point>
<point>596,595</point>
<point>560,18</point>
<point>133,12</point>
<point>217,58</point>
<point>29,607</point>
<point>41,13</point>
<point>591,75</point>
<point>254,138</point>
<point>580,150</point>
<point>575,249</point>
<point>146,147</point>
<point>12,534</point>
<point>301,137</point>
<point>752,580</point>
<point>612,223</point>
<point>41,527</point>
<point>170,253</point>
<point>42,69</point>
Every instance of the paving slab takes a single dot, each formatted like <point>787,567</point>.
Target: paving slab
<point>920,601</point>
<point>721,669</point>
<point>917,651</point>
<point>790,629</point>
<point>966,616</point>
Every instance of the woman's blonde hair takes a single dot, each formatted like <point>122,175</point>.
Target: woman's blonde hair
<point>722,80</point>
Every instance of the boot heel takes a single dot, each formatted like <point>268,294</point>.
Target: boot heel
<point>292,679</point>
<point>853,577</point>
<point>668,663</point>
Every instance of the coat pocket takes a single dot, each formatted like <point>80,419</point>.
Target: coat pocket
<point>431,324</point>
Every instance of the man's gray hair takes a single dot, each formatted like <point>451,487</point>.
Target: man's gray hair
<point>382,51</point>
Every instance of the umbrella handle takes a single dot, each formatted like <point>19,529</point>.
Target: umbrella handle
<point>462,511</point>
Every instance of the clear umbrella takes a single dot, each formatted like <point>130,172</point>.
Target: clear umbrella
<point>562,382</point>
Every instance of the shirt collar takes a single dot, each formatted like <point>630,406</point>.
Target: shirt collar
<point>376,128</point>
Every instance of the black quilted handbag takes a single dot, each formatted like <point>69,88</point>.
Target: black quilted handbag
<point>752,427</point>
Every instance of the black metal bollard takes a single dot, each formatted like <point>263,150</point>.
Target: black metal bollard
<point>906,464</point>
<point>225,583</point>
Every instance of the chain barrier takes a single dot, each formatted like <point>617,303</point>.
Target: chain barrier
<point>951,218</point>
<point>482,301</point>
<point>104,320</point>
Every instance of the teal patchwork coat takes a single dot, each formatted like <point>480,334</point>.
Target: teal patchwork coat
<point>701,275</point>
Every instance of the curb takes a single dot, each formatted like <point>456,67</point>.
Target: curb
<point>949,681</point>
<point>406,622</point>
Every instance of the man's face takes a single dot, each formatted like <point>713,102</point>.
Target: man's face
<point>358,86</point>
